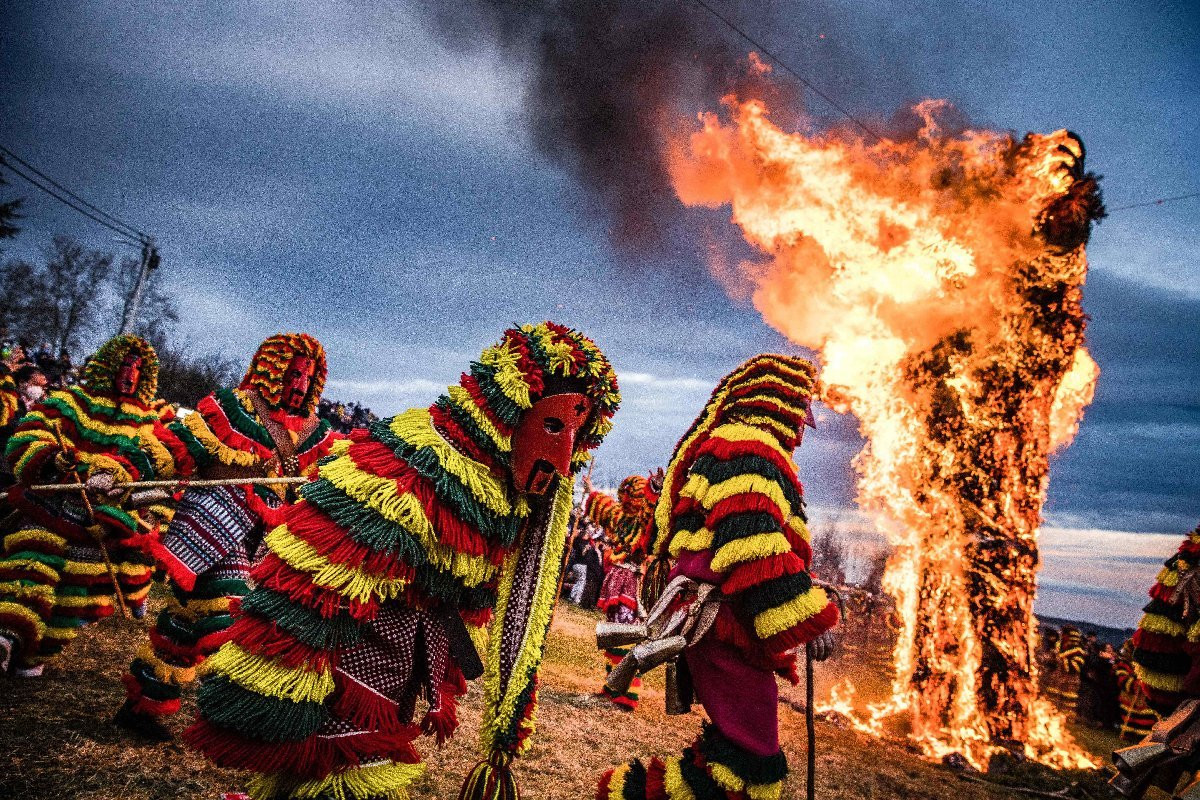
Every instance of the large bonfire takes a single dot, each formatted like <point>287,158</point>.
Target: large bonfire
<point>939,276</point>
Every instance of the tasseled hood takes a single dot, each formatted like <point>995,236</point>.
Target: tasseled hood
<point>100,371</point>
<point>769,390</point>
<point>270,363</point>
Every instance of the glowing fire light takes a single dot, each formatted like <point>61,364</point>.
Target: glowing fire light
<point>939,277</point>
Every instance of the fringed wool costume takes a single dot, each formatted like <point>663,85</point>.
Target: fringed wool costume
<point>208,549</point>
<point>1063,682</point>
<point>628,522</point>
<point>1137,718</point>
<point>10,399</point>
<point>417,528</point>
<point>732,513</point>
<point>54,576</point>
<point>1167,641</point>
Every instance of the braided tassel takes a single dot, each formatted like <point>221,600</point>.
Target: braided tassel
<point>491,780</point>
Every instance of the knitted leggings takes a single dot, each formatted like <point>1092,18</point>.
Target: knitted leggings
<point>190,628</point>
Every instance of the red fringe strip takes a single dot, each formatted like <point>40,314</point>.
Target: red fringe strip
<point>761,570</point>
<point>377,459</point>
<point>745,503</point>
<point>145,705</point>
<point>74,534</point>
<point>1156,642</point>
<point>332,541</point>
<point>656,786</point>
<point>174,652</point>
<point>275,574</point>
<point>366,709</point>
<point>214,416</point>
<point>266,639</point>
<point>806,631</point>
<point>602,788</point>
<point>312,758</point>
<point>442,722</point>
<point>21,573</point>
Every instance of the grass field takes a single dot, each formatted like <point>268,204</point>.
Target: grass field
<point>56,740</point>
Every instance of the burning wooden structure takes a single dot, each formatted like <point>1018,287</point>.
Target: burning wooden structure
<point>940,277</point>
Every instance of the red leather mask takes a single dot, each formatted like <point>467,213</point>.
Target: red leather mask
<point>544,441</point>
<point>296,382</point>
<point>128,376</point>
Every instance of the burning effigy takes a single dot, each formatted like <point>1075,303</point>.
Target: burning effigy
<point>939,275</point>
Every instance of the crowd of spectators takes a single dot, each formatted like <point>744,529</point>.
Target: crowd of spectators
<point>345,416</point>
<point>18,354</point>
<point>586,563</point>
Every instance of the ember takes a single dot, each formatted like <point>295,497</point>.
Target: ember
<point>940,279</point>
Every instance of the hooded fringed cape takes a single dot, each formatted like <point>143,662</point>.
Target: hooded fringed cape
<point>732,514</point>
<point>1167,641</point>
<point>412,518</point>
<point>52,578</point>
<point>627,520</point>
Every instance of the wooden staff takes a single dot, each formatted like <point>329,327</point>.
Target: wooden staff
<point>92,527</point>
<point>180,484</point>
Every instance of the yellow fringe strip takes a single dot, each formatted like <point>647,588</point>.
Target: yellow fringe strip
<point>86,601</point>
<point>677,788</point>
<point>792,613</point>
<point>616,785</point>
<point>385,781</point>
<point>22,539</point>
<point>166,673</point>
<point>205,606</point>
<point>708,495</point>
<point>764,791</point>
<point>741,432</point>
<point>415,427</point>
<point>462,398</point>
<point>750,548</point>
<point>62,635</point>
<point>18,591</point>
<point>137,596</point>
<point>1168,577</point>
<point>507,373</point>
<point>344,580</point>
<point>405,510</point>
<point>18,610</point>
<point>218,449</point>
<point>265,677</point>
<point>1160,680</point>
<point>691,540</point>
<point>99,568</point>
<point>30,565</point>
<point>340,447</point>
<point>799,527</point>
<point>1156,623</point>
<point>499,712</point>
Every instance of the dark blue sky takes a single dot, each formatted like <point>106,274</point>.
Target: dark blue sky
<point>338,168</point>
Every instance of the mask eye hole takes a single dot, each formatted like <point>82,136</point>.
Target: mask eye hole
<point>553,425</point>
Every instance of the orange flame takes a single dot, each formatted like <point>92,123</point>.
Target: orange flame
<point>939,278</point>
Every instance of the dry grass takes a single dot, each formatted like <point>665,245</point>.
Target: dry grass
<point>57,742</point>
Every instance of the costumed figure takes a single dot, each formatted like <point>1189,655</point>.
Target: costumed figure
<point>77,553</point>
<point>265,428</point>
<point>1069,655</point>
<point>1166,658</point>
<point>1137,718</point>
<point>417,530</point>
<point>732,514</point>
<point>628,522</point>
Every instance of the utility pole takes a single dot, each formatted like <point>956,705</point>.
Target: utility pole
<point>133,303</point>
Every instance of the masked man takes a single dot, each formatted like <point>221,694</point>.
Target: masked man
<point>265,428</point>
<point>732,514</point>
<point>420,527</point>
<point>59,568</point>
<point>628,523</point>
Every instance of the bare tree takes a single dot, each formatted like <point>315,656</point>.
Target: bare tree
<point>21,288</point>
<point>184,379</point>
<point>829,555</point>
<point>73,291</point>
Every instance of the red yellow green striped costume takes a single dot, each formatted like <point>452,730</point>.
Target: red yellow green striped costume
<point>1137,718</point>
<point>732,514</point>
<point>10,400</point>
<point>1063,682</point>
<point>411,526</point>
<point>628,523</point>
<point>52,577</point>
<point>1167,640</point>
<point>208,549</point>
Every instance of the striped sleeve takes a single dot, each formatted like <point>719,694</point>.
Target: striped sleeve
<point>745,486</point>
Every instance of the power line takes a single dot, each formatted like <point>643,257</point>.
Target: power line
<point>783,65</point>
<point>89,210</point>
<point>1157,202</point>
